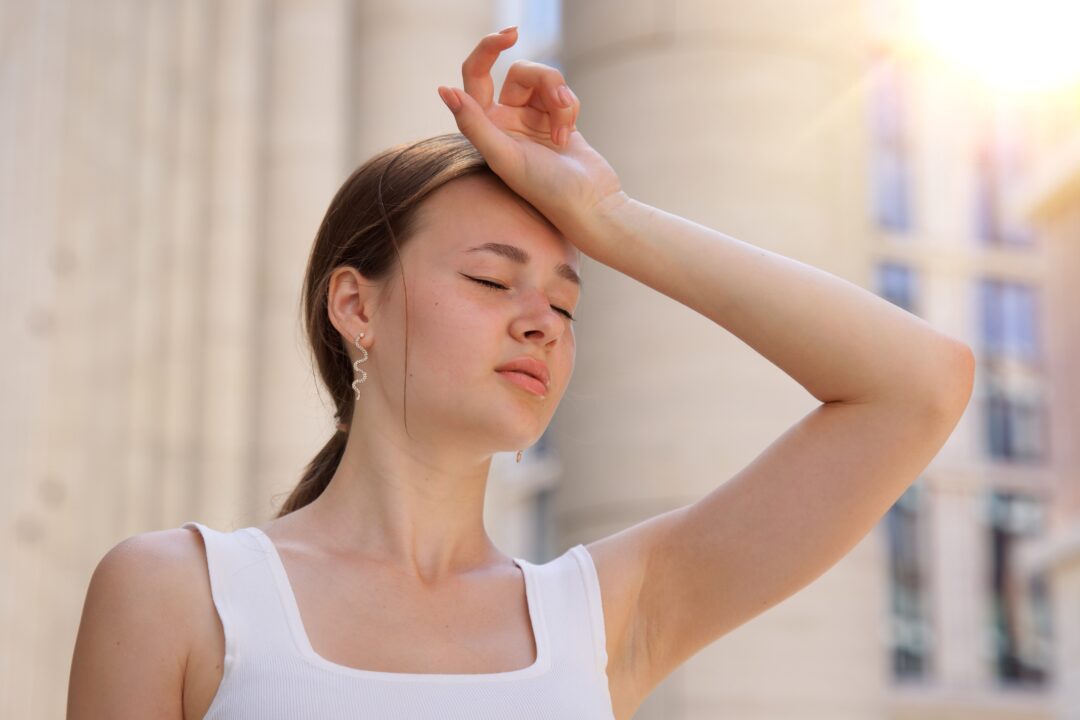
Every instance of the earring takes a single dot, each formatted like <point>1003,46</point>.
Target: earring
<point>519,456</point>
<point>356,366</point>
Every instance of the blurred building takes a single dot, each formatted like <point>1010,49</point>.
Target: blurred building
<point>814,130</point>
<point>1051,200</point>
<point>165,167</point>
<point>972,630</point>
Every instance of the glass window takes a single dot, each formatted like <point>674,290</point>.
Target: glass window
<point>1010,313</point>
<point>1020,629</point>
<point>912,632</point>
<point>896,283</point>
<point>1000,162</point>
<point>890,173</point>
<point>1015,427</point>
<point>1015,408</point>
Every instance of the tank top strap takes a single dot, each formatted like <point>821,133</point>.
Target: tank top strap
<point>245,593</point>
<point>572,611</point>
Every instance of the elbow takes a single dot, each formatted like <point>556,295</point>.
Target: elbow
<point>951,393</point>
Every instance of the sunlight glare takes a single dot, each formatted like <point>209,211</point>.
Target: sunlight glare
<point>1011,46</point>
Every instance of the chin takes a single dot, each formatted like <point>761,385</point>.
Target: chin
<point>519,434</point>
<point>506,428</point>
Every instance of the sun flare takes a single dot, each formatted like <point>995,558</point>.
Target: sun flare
<point>1006,45</point>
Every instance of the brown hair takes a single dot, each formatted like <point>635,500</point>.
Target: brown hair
<point>373,213</point>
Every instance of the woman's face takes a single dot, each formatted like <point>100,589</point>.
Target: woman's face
<point>460,330</point>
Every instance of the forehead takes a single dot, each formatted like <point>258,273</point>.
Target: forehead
<point>474,210</point>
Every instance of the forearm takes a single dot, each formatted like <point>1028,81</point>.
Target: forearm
<point>840,342</point>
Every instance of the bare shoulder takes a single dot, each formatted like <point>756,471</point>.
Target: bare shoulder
<point>135,631</point>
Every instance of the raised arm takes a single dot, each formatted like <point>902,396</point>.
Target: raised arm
<point>892,390</point>
<point>839,341</point>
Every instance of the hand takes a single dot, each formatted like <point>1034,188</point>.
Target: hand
<point>568,182</point>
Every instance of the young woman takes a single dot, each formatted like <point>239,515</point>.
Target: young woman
<point>439,300</point>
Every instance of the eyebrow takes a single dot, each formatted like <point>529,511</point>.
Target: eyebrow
<point>519,256</point>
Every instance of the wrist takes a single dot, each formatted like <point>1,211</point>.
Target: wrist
<point>598,231</point>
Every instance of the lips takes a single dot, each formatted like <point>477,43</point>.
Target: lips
<point>526,382</point>
<point>529,366</point>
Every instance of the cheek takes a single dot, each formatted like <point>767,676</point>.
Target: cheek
<point>451,339</point>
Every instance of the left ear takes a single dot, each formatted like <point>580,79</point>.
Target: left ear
<point>351,300</point>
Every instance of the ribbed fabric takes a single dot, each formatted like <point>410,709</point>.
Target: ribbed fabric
<point>271,671</point>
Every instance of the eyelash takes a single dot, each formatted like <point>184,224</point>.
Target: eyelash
<point>497,286</point>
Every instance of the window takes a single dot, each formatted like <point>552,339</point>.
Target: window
<point>890,173</point>
<point>896,283</point>
<point>911,630</point>
<point>1020,629</point>
<point>1015,411</point>
<point>1009,320</point>
<point>1000,159</point>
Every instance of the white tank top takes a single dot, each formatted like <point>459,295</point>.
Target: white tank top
<point>271,671</point>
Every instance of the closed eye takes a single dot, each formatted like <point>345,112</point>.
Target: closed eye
<point>497,286</point>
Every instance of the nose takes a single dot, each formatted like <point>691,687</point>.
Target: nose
<point>537,321</point>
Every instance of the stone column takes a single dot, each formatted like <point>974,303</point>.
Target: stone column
<point>304,120</point>
<point>399,54</point>
<point>748,118</point>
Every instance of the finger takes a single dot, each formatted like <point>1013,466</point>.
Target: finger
<point>544,88</point>
<point>498,149</point>
<point>558,118</point>
<point>535,117</point>
<point>577,107</point>
<point>555,122</point>
<point>536,121</point>
<point>476,70</point>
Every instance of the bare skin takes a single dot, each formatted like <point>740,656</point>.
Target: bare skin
<point>399,533</point>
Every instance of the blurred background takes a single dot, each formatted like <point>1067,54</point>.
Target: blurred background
<point>164,166</point>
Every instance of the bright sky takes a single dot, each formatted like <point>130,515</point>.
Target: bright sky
<point>1007,45</point>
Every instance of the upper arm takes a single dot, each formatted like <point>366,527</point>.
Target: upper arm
<point>695,573</point>
<point>132,644</point>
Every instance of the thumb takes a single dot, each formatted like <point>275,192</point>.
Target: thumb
<point>496,147</point>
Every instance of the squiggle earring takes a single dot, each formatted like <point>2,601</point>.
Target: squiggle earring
<point>356,366</point>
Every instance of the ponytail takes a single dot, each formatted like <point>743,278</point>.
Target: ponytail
<point>374,208</point>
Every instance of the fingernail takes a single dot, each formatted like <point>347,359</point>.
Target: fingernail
<point>506,30</point>
<point>561,134</point>
<point>564,95</point>
<point>450,98</point>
